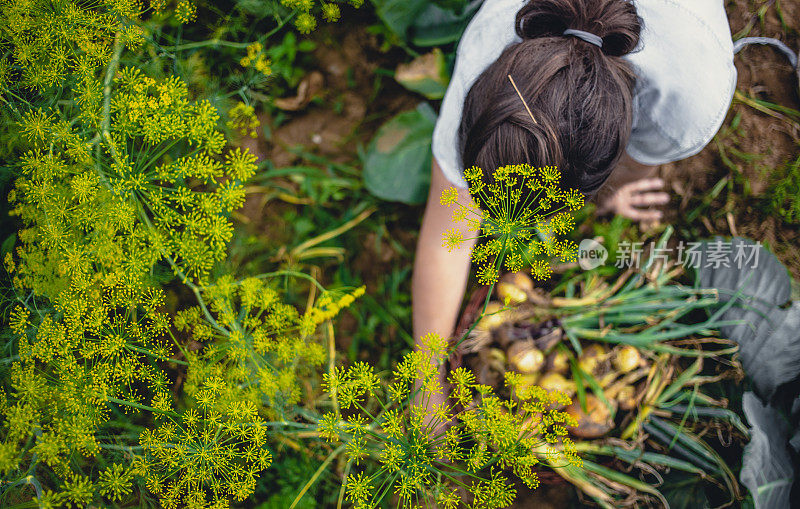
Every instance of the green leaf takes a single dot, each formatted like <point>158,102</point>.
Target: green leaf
<point>693,448</point>
<point>398,15</point>
<point>621,478</point>
<point>398,160</point>
<point>682,379</point>
<point>766,465</point>
<point>582,377</point>
<point>8,244</point>
<point>768,334</point>
<point>437,26</point>
<point>426,75</point>
<point>580,390</point>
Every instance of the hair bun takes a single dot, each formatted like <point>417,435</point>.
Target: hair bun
<point>614,21</point>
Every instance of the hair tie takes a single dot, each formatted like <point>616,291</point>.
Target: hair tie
<point>586,36</point>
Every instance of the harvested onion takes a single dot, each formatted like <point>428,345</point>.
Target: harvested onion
<point>525,358</point>
<point>626,359</point>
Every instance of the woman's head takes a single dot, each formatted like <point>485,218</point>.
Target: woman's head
<point>580,95</point>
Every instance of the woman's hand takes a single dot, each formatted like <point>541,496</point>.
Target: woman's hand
<point>631,190</point>
<point>633,199</point>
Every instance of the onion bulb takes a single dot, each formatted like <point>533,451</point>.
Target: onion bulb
<point>626,359</point>
<point>525,359</point>
<point>595,422</point>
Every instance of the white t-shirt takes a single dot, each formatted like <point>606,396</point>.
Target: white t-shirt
<point>685,78</point>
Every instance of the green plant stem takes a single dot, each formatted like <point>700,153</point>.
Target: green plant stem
<point>216,43</point>
<point>140,406</point>
<point>346,473</point>
<point>332,367</point>
<point>316,475</point>
<point>125,448</point>
<point>151,354</point>
<point>111,70</point>
<point>300,275</point>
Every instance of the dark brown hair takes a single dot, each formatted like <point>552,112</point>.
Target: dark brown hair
<point>580,94</point>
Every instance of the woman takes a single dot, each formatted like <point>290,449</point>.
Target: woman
<point>604,89</point>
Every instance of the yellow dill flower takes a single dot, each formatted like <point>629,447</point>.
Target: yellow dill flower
<point>215,457</point>
<point>568,251</point>
<point>331,12</point>
<point>47,42</point>
<point>540,270</point>
<point>359,489</point>
<point>487,274</point>
<point>138,187</point>
<point>258,345</point>
<point>305,23</point>
<point>19,321</point>
<point>447,498</point>
<point>563,222</point>
<point>523,212</point>
<point>185,11</point>
<point>116,482</point>
<point>549,174</point>
<point>513,262</point>
<point>329,427</point>
<point>573,199</point>
<point>327,306</point>
<point>243,119</point>
<point>449,196</point>
<point>452,239</point>
<point>460,214</point>
<point>435,344</point>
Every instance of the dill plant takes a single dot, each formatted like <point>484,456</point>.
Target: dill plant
<point>306,21</point>
<point>123,177</point>
<point>522,214</point>
<point>44,42</point>
<point>119,201</point>
<point>448,453</point>
<point>256,343</point>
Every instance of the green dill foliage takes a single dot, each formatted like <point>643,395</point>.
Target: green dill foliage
<point>150,184</point>
<point>429,454</point>
<point>255,343</point>
<point>95,347</point>
<point>109,398</point>
<point>206,455</point>
<point>45,42</point>
<point>124,387</point>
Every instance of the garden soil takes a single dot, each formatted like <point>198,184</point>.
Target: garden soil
<point>765,74</point>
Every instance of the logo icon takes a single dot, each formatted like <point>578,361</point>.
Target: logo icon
<point>591,254</point>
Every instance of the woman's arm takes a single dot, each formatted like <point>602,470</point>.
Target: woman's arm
<point>440,277</point>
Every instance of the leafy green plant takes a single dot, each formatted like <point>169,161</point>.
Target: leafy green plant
<point>783,199</point>
<point>426,23</point>
<point>283,58</point>
<point>397,162</point>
